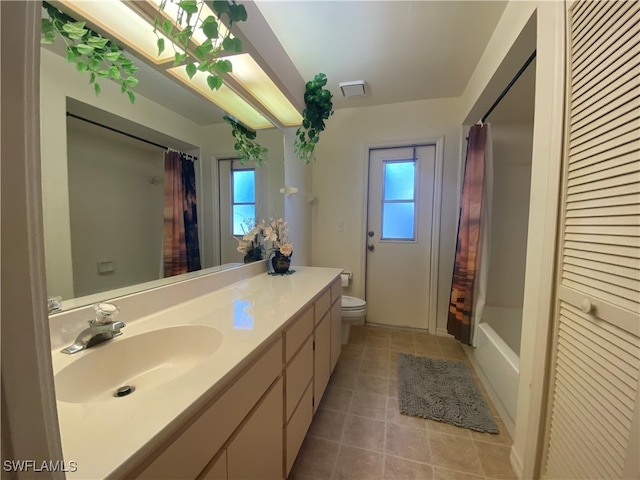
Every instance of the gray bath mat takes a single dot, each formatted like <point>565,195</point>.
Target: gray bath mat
<point>442,390</point>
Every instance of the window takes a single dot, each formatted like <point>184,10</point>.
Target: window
<point>399,200</point>
<point>243,199</point>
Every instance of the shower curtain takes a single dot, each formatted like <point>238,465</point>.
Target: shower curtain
<point>181,252</point>
<point>470,270</point>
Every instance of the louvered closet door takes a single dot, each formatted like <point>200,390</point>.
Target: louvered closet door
<point>593,417</point>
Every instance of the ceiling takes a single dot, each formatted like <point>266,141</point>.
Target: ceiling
<point>403,50</point>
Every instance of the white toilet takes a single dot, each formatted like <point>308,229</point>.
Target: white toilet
<point>353,313</point>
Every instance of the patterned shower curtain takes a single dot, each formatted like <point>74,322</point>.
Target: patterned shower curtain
<point>471,253</point>
<point>181,251</point>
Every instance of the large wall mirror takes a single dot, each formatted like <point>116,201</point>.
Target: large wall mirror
<point>103,181</point>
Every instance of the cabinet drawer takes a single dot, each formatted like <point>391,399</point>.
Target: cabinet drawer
<point>297,376</point>
<point>322,305</point>
<point>336,333</point>
<point>297,333</point>
<point>322,359</point>
<point>188,455</point>
<point>298,426</point>
<point>336,290</point>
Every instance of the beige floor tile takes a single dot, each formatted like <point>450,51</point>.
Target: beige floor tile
<point>327,424</point>
<point>424,338</point>
<point>502,438</point>
<point>429,350</point>
<point>352,351</point>
<point>401,346</point>
<point>357,464</point>
<point>373,353</point>
<point>343,379</point>
<point>393,387</point>
<point>378,342</point>
<point>336,398</point>
<point>441,427</point>
<point>399,468</point>
<point>445,474</point>
<point>378,331</point>
<point>394,416</point>
<point>368,405</point>
<point>347,363</point>
<point>402,335</point>
<point>315,459</point>
<point>372,384</point>
<point>408,443</point>
<point>378,367</point>
<point>364,433</point>
<point>455,453</point>
<point>448,341</point>
<point>495,460</point>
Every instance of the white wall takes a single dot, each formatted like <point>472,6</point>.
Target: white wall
<point>512,145</point>
<point>116,212</point>
<point>59,80</point>
<point>339,182</point>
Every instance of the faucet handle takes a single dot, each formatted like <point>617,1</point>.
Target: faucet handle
<point>105,312</point>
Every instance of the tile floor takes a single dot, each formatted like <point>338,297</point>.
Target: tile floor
<point>358,432</point>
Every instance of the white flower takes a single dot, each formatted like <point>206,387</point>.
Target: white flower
<point>286,249</point>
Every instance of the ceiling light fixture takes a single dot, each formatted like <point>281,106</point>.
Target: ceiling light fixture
<point>352,89</point>
<point>252,78</point>
<point>132,30</point>
<point>225,98</point>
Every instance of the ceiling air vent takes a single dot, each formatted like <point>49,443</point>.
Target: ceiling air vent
<point>352,89</point>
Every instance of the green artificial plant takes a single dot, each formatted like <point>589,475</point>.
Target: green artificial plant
<point>319,107</point>
<point>246,147</point>
<point>202,57</point>
<point>91,52</point>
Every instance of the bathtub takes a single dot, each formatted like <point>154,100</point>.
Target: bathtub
<point>499,365</point>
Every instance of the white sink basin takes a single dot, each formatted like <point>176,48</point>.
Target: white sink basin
<point>143,361</point>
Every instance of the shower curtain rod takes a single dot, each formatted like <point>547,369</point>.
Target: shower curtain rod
<point>189,157</point>
<point>508,87</point>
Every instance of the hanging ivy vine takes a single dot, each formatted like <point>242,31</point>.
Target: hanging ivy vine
<point>319,107</point>
<point>247,148</point>
<point>204,57</point>
<point>93,54</point>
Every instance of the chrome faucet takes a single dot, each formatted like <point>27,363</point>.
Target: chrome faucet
<point>101,329</point>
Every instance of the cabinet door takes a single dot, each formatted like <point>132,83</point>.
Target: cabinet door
<point>257,450</point>
<point>322,358</point>
<point>216,471</point>
<point>336,332</point>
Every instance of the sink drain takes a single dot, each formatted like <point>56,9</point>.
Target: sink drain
<point>124,391</point>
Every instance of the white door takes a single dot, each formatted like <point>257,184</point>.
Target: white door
<point>240,202</point>
<point>399,237</point>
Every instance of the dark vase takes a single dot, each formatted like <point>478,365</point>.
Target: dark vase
<point>254,255</point>
<point>281,263</point>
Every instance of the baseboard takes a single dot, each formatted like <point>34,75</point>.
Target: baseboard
<point>516,463</point>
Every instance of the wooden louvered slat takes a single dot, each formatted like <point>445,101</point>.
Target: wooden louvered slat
<point>632,199</point>
<point>596,363</point>
<point>622,272</point>
<point>624,151</point>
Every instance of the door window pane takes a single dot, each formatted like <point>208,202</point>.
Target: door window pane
<point>399,180</point>
<point>242,214</point>
<point>398,221</point>
<point>398,200</point>
<point>244,186</point>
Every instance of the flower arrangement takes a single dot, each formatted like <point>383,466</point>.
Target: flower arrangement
<point>252,243</point>
<point>276,232</point>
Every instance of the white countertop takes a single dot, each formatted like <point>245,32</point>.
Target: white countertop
<point>107,438</point>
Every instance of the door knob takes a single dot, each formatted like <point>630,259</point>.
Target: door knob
<point>370,248</point>
<point>587,306</point>
<point>370,233</point>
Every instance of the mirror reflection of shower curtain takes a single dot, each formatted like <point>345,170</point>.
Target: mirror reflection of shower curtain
<point>181,251</point>
<point>470,271</point>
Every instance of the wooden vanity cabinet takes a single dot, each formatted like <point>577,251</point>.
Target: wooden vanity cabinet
<point>254,429</point>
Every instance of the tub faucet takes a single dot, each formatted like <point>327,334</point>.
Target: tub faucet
<point>101,329</point>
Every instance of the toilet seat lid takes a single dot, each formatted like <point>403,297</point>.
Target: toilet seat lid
<point>352,302</point>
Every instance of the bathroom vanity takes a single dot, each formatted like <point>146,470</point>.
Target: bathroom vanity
<point>225,385</point>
